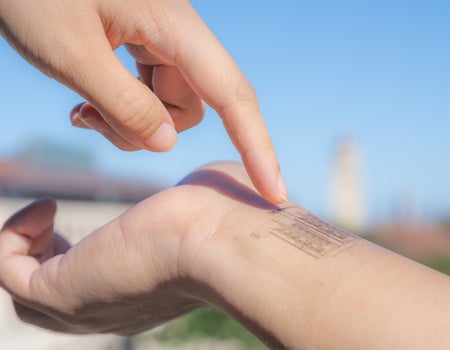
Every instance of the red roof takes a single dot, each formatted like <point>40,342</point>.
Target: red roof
<point>28,179</point>
<point>417,240</point>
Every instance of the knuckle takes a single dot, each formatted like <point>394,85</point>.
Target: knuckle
<point>245,91</point>
<point>158,33</point>
<point>243,98</point>
<point>197,113</point>
<point>138,114</point>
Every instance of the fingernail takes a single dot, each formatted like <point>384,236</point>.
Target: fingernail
<point>75,119</point>
<point>164,139</point>
<point>282,190</point>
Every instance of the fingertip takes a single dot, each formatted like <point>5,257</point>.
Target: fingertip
<point>46,199</point>
<point>76,109</point>
<point>163,139</point>
<point>266,175</point>
<point>275,195</point>
<point>33,218</point>
<point>282,189</point>
<point>75,116</point>
<point>47,203</point>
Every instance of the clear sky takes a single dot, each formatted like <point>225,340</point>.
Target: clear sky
<point>376,70</point>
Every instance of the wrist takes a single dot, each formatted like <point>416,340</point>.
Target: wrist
<point>252,268</point>
<point>231,268</point>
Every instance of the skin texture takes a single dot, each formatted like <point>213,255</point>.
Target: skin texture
<point>290,278</point>
<point>73,42</point>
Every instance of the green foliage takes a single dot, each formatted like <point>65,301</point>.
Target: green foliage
<point>208,323</point>
<point>440,264</point>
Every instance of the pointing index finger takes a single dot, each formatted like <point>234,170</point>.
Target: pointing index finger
<point>216,78</point>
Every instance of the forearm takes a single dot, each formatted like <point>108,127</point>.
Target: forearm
<point>291,279</point>
<point>299,283</point>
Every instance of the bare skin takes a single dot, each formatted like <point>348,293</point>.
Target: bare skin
<point>293,280</point>
<point>180,64</point>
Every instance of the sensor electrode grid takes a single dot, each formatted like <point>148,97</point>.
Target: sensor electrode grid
<point>309,234</point>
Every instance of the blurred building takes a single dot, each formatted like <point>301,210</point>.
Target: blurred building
<point>404,232</point>
<point>347,202</point>
<point>86,200</point>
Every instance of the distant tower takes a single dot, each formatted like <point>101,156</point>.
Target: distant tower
<point>347,199</point>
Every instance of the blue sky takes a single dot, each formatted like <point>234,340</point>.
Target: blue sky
<point>376,70</point>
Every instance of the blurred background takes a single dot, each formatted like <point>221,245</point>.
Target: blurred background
<point>355,95</point>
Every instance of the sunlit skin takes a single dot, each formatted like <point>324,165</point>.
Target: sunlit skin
<point>290,278</point>
<point>180,64</point>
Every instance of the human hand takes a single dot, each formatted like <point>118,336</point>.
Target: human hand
<point>115,280</point>
<point>136,272</point>
<point>180,63</point>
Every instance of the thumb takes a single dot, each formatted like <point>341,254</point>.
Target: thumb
<point>16,243</point>
<point>128,106</point>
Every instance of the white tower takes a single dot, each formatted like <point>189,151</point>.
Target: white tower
<point>347,199</point>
